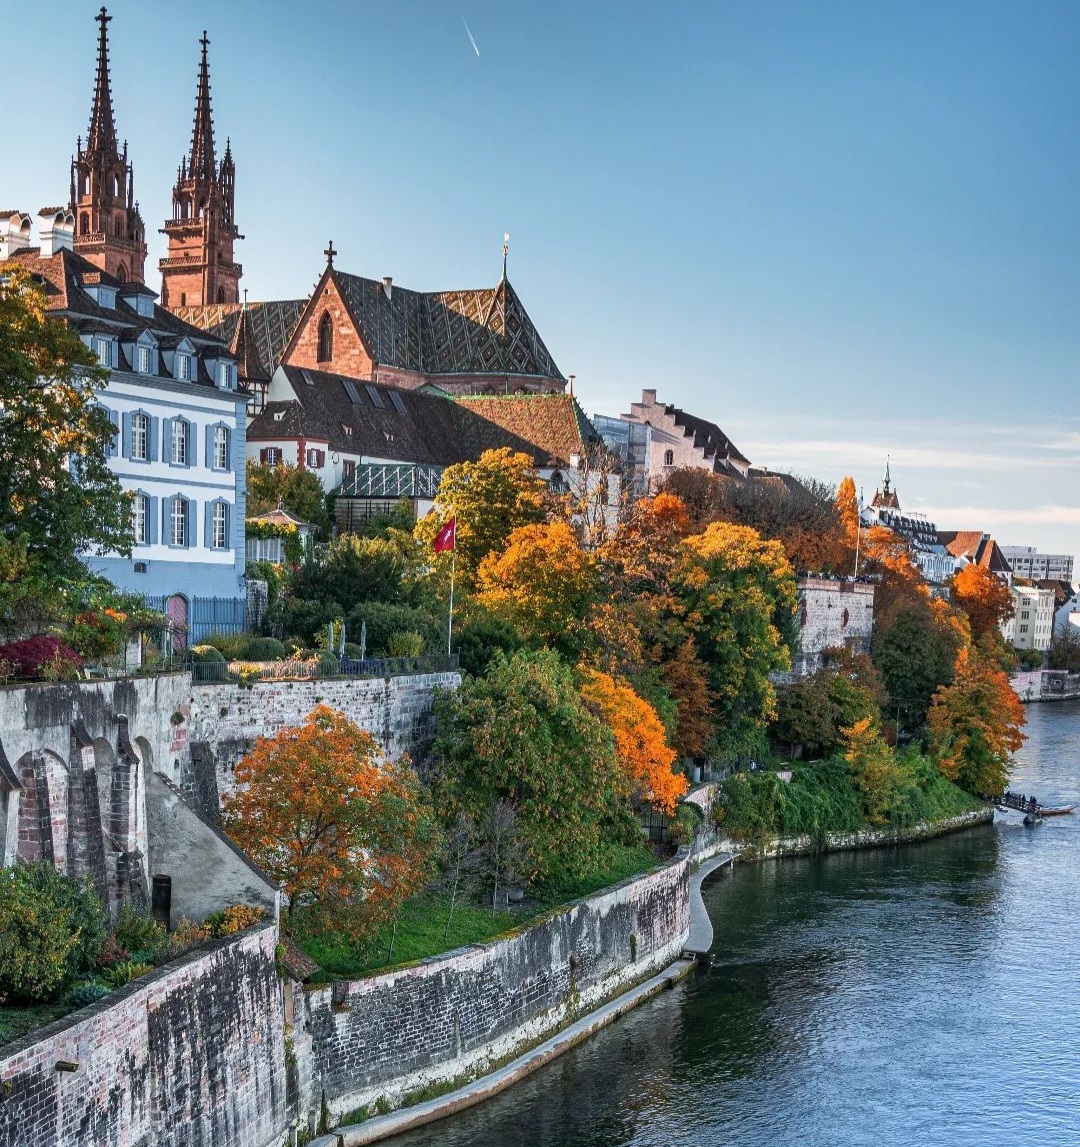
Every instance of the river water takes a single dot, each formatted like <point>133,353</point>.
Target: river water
<point>922,995</point>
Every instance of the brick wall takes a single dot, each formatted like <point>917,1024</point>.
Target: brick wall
<point>389,1035</point>
<point>190,1056</point>
<point>832,613</point>
<point>350,357</point>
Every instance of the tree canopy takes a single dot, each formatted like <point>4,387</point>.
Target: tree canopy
<point>58,496</point>
<point>297,490</point>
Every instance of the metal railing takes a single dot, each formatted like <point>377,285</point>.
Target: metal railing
<point>211,672</point>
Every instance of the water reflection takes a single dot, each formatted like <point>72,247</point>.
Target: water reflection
<point>923,995</point>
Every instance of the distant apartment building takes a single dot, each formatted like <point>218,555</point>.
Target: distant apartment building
<point>1032,623</point>
<point>1026,561</point>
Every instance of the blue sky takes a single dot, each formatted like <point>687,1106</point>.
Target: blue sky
<point>840,230</point>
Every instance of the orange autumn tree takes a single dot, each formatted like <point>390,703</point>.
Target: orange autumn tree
<point>640,748</point>
<point>320,810</point>
<point>543,584</point>
<point>847,508</point>
<point>984,597</point>
<point>975,725</point>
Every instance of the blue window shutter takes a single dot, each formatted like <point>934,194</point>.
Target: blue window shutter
<point>208,440</point>
<point>189,523</point>
<point>208,524</point>
<point>153,438</point>
<point>127,434</point>
<point>152,512</point>
<point>166,439</point>
<point>192,449</point>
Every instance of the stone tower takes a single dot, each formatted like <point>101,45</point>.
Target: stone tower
<point>199,268</point>
<point>109,231</point>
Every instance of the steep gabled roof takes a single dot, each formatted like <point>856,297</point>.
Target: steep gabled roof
<point>707,436</point>
<point>975,547</point>
<point>485,331</point>
<point>267,328</point>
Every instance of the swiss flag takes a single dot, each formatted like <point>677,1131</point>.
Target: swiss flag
<point>446,538</point>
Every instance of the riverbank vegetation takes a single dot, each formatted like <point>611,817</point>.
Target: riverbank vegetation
<point>606,644</point>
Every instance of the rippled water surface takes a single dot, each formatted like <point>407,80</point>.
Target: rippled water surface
<point>926,995</point>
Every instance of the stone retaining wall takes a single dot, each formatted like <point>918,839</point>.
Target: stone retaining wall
<point>459,1015</point>
<point>192,1055</point>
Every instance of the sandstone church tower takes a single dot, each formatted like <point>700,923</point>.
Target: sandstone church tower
<point>199,268</point>
<point>109,231</point>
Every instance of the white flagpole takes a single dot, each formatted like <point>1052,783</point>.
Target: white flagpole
<point>453,566</point>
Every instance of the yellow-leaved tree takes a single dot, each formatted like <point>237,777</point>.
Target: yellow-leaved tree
<point>543,584</point>
<point>873,767</point>
<point>490,498</point>
<point>640,747</point>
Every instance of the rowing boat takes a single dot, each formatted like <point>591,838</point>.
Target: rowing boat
<point>1061,810</point>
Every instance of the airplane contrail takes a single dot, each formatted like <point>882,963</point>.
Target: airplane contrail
<point>468,32</point>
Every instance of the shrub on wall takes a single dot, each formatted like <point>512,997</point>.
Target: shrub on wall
<point>51,928</point>
<point>40,658</point>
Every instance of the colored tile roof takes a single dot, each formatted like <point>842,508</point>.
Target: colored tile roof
<point>383,422</point>
<point>554,425</point>
<point>975,547</point>
<point>485,331</point>
<point>259,339</point>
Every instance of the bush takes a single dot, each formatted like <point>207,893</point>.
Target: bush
<point>328,666</point>
<point>112,952</point>
<point>264,649</point>
<point>86,994</point>
<point>235,918</point>
<point>384,620</point>
<point>38,935</point>
<point>185,936</point>
<point>405,645</point>
<point>352,651</point>
<point>126,971</point>
<point>205,655</point>
<point>230,645</point>
<point>88,916</point>
<point>137,932</point>
<point>36,657</point>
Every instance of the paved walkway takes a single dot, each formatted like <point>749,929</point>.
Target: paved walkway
<point>382,1127</point>
<point>701,933</point>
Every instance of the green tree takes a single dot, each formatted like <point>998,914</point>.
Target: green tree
<point>873,768</point>
<point>57,493</point>
<point>523,735</point>
<point>296,490</point>
<point>915,657</point>
<point>490,498</point>
<point>738,593</point>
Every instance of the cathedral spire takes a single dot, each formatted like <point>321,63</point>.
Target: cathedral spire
<point>201,165</point>
<point>102,134</point>
<point>888,480</point>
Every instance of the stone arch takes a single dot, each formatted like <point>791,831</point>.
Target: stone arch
<point>43,809</point>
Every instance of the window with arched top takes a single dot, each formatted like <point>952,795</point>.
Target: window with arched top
<point>221,294</point>
<point>669,457</point>
<point>844,619</point>
<point>84,224</point>
<point>121,273</point>
<point>326,339</point>
<point>802,614</point>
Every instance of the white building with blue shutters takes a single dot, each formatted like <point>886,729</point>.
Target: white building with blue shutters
<point>180,433</point>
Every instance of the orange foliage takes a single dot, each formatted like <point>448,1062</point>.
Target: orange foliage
<point>847,507</point>
<point>984,597</point>
<point>975,725</point>
<point>640,747</point>
<point>321,811</point>
<point>543,583</point>
<point>687,681</point>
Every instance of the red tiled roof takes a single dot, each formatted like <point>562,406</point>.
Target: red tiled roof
<point>553,423</point>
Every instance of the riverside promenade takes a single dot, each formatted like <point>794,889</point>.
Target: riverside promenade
<point>701,930</point>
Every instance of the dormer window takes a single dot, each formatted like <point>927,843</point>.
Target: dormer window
<point>104,348</point>
<point>225,376</point>
<point>145,360</point>
<point>183,367</point>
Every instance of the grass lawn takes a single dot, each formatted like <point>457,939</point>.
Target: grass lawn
<point>423,918</point>
<point>16,1022</point>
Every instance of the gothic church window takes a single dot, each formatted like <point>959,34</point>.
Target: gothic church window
<point>326,339</point>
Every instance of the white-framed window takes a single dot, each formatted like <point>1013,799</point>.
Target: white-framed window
<point>270,456</point>
<point>219,526</point>
<point>140,437</point>
<point>221,448</point>
<point>140,519</point>
<point>225,376</point>
<point>316,459</point>
<point>183,366</point>
<point>144,360</point>
<point>1023,629</point>
<point>179,442</point>
<point>178,522</point>
<point>104,352</point>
